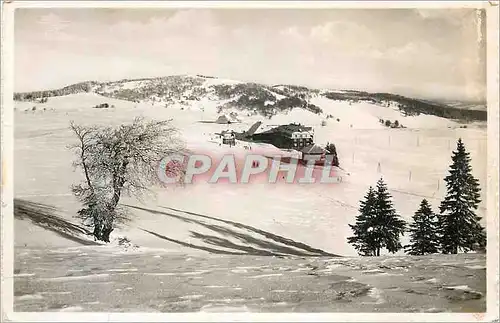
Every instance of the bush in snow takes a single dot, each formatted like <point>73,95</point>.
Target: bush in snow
<point>102,106</point>
<point>126,243</point>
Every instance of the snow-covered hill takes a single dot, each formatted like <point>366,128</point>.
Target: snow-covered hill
<point>211,94</point>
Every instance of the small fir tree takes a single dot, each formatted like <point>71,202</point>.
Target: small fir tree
<point>390,226</point>
<point>424,238</point>
<point>364,240</point>
<point>333,151</point>
<point>377,226</point>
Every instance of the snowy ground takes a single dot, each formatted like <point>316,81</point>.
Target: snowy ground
<point>100,278</point>
<point>258,220</point>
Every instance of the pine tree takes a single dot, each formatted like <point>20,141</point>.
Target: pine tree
<point>333,151</point>
<point>424,238</point>
<point>458,223</point>
<point>389,225</point>
<point>377,226</point>
<point>364,240</point>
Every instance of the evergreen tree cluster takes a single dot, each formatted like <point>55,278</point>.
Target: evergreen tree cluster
<point>456,228</point>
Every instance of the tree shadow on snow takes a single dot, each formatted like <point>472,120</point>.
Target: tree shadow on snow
<point>268,244</point>
<point>190,245</point>
<point>43,216</point>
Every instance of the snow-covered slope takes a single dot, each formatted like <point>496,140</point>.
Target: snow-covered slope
<point>315,215</point>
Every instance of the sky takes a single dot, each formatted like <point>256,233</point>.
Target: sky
<point>433,53</point>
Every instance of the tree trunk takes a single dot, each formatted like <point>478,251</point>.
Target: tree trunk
<point>106,233</point>
<point>97,230</point>
<point>102,231</point>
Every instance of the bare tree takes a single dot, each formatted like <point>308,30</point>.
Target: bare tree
<point>116,161</point>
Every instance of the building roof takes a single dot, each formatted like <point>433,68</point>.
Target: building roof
<point>288,129</point>
<point>313,149</point>
<point>227,118</point>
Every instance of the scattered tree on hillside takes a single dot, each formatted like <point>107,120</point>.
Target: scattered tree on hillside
<point>333,151</point>
<point>102,106</point>
<point>377,226</point>
<point>396,124</point>
<point>116,161</point>
<point>364,239</point>
<point>459,225</point>
<point>387,123</point>
<point>424,238</point>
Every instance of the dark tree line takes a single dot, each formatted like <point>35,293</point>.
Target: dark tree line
<point>455,229</point>
<point>410,106</point>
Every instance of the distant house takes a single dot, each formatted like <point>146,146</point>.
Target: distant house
<point>228,137</point>
<point>227,119</point>
<point>291,136</point>
<point>314,150</point>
